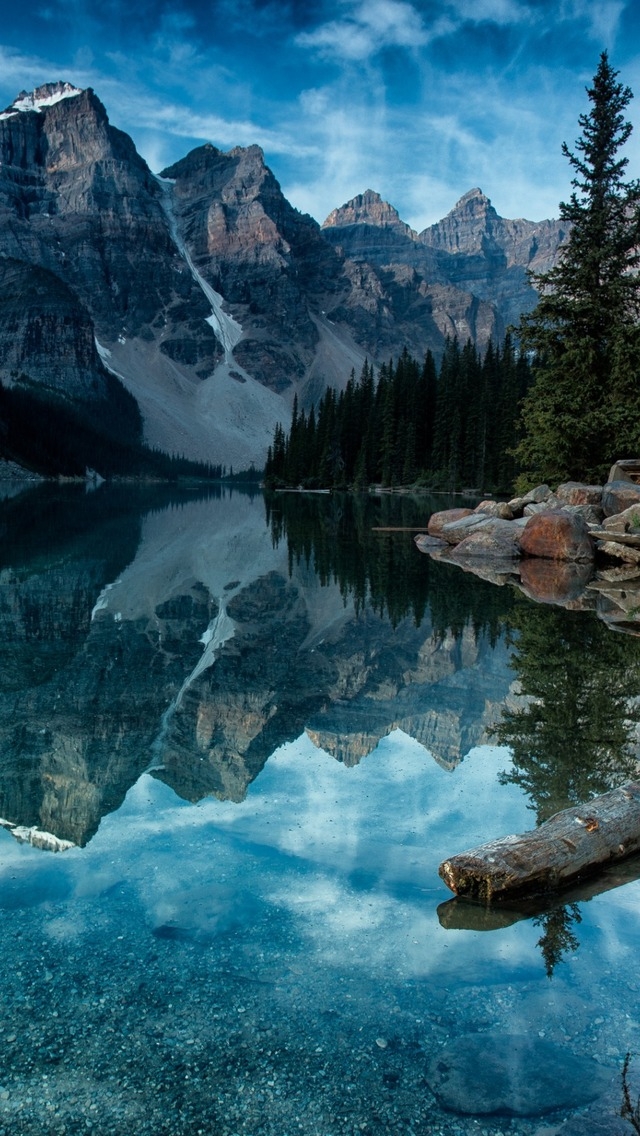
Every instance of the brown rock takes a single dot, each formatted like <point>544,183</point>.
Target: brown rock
<point>618,496</point>
<point>438,520</point>
<point>554,581</point>
<point>575,493</point>
<point>557,535</point>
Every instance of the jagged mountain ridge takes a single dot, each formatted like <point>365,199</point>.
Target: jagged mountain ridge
<point>211,298</point>
<point>472,248</point>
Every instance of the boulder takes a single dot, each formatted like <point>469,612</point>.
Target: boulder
<point>512,1075</point>
<point>627,521</point>
<point>557,535</point>
<point>455,531</point>
<point>534,507</point>
<point>617,496</point>
<point>554,581</point>
<point>495,509</point>
<point>426,543</point>
<point>575,493</point>
<point>498,538</point>
<point>532,497</point>
<point>592,514</point>
<point>625,469</point>
<point>438,520</point>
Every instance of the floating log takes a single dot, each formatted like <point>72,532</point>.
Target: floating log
<point>463,914</point>
<point>574,843</point>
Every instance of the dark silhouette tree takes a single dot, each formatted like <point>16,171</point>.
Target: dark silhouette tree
<point>584,329</point>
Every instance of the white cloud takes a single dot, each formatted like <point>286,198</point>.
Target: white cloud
<point>368,28</point>
<point>601,18</point>
<point>502,12</point>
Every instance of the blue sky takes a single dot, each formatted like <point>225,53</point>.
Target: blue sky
<point>418,100</point>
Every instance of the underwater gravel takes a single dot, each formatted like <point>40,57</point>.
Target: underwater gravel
<point>118,1032</point>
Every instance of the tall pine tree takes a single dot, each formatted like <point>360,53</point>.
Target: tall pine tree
<point>581,412</point>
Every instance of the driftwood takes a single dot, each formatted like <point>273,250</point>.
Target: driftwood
<point>462,914</point>
<point>574,843</point>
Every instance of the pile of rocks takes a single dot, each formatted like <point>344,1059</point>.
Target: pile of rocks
<point>554,544</point>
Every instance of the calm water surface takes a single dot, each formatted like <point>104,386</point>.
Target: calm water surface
<point>253,730</point>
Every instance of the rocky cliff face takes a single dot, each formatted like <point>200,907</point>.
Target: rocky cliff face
<point>47,336</point>
<point>210,296</point>
<point>474,262</point>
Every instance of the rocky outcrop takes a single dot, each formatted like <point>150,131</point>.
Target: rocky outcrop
<point>46,336</point>
<point>549,548</point>
<point>76,198</point>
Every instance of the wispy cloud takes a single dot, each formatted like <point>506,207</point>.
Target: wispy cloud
<point>501,12</point>
<point>367,28</point>
<point>601,19</point>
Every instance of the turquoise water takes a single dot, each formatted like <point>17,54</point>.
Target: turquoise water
<point>255,734</point>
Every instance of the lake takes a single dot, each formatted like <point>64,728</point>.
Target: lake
<point>238,736</point>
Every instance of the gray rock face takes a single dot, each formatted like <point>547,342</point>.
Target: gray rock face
<point>472,252</point>
<point>267,260</point>
<point>512,1075</point>
<point>76,198</point>
<point>46,335</point>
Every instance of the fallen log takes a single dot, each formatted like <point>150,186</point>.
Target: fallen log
<point>463,914</point>
<point>574,843</point>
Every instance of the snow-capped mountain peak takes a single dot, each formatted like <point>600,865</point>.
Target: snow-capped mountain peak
<point>44,96</point>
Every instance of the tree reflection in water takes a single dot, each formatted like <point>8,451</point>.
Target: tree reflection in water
<point>343,538</point>
<point>574,734</point>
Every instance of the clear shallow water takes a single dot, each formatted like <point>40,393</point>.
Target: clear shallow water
<point>282,957</point>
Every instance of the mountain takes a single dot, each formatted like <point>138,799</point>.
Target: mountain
<point>472,250</point>
<point>206,295</point>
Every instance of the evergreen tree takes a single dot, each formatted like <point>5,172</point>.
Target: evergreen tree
<point>585,330</point>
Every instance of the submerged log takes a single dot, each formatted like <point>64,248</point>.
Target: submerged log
<point>574,843</point>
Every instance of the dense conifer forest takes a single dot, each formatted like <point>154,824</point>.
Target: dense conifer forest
<point>414,423</point>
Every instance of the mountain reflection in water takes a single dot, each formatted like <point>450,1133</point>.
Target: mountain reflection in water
<point>111,621</point>
<point>293,963</point>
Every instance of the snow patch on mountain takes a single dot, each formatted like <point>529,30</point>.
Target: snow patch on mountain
<point>42,97</point>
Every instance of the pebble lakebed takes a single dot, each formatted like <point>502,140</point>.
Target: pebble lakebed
<point>127,1032</point>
